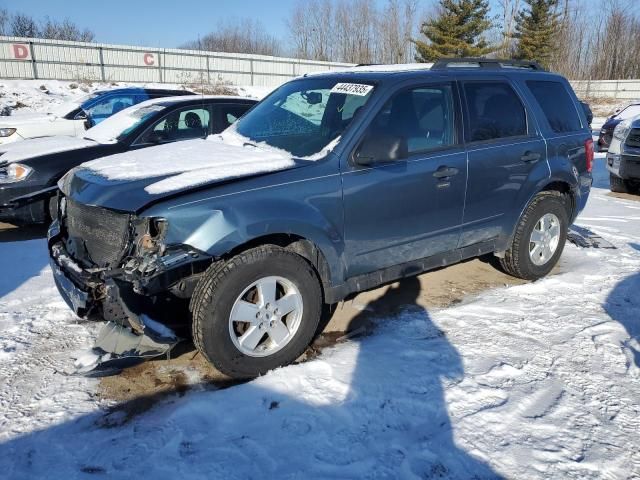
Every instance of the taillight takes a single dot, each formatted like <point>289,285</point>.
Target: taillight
<point>588,153</point>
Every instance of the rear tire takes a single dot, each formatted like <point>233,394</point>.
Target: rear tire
<point>239,288</point>
<point>539,238</point>
<point>619,185</point>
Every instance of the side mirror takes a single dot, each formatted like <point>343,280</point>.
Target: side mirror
<point>312,98</point>
<point>381,149</point>
<point>81,115</point>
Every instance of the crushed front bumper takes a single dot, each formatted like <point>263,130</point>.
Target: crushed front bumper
<point>131,334</point>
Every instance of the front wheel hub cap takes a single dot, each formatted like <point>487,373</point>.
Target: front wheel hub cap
<point>266,316</point>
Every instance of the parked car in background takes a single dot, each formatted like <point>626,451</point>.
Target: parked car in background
<point>606,132</point>
<point>623,157</point>
<point>333,184</point>
<point>74,117</point>
<point>37,164</point>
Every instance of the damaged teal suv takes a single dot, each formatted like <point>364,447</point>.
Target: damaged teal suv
<point>333,184</point>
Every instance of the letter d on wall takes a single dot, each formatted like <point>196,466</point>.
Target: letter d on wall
<point>20,51</point>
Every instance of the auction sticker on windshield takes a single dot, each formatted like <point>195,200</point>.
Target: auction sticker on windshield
<point>352,89</point>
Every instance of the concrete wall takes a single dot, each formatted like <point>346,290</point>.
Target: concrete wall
<point>618,89</point>
<point>33,58</point>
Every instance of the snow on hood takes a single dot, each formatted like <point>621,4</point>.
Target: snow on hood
<point>36,147</point>
<point>17,120</point>
<point>189,163</point>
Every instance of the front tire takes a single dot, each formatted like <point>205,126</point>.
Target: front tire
<point>539,239</point>
<point>257,311</point>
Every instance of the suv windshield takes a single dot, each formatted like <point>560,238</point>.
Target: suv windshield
<point>304,116</point>
<point>119,125</point>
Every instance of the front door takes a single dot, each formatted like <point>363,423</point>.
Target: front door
<point>411,208</point>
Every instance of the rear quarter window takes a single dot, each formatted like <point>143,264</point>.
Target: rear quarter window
<point>557,105</point>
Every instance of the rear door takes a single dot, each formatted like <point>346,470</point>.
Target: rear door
<point>505,148</point>
<point>565,129</point>
<point>412,208</point>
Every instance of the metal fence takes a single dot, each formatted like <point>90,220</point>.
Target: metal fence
<point>33,58</point>
<point>616,89</point>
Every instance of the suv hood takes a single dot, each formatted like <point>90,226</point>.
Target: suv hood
<point>129,181</point>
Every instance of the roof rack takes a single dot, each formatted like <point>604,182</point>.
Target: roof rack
<point>491,63</point>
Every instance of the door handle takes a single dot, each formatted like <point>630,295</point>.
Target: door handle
<point>445,172</point>
<point>530,157</point>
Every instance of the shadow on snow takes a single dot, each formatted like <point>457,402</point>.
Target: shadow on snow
<point>377,411</point>
<point>623,306</point>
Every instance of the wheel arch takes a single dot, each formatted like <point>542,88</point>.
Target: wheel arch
<point>560,185</point>
<point>298,244</point>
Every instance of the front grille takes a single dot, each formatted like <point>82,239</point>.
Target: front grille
<point>96,236</point>
<point>633,139</point>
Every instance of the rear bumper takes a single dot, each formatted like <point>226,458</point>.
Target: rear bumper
<point>582,194</point>
<point>624,166</point>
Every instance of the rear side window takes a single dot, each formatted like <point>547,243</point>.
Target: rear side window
<point>556,104</point>
<point>230,114</point>
<point>495,111</point>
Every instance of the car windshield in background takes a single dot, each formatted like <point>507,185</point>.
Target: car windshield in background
<point>66,108</point>
<point>122,123</point>
<point>303,117</point>
<point>629,112</point>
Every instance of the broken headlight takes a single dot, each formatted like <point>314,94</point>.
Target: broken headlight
<point>151,236</point>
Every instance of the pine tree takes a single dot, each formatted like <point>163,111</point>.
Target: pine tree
<point>457,31</point>
<point>535,31</point>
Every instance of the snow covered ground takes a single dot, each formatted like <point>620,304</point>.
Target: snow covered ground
<point>27,96</point>
<point>534,381</point>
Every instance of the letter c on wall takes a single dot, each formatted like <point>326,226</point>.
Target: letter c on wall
<point>20,51</point>
<point>148,59</point>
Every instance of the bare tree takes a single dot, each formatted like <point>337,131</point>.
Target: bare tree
<point>320,14</point>
<point>65,30</point>
<point>396,29</point>
<point>508,12</point>
<point>23,26</point>
<point>238,36</point>
<point>5,19</point>
<point>354,31</point>
<point>300,31</point>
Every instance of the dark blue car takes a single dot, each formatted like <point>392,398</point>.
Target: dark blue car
<point>333,184</point>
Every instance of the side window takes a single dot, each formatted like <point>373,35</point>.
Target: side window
<point>179,125</point>
<point>495,111</point>
<point>423,116</point>
<point>556,104</point>
<point>110,105</point>
<point>229,114</point>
